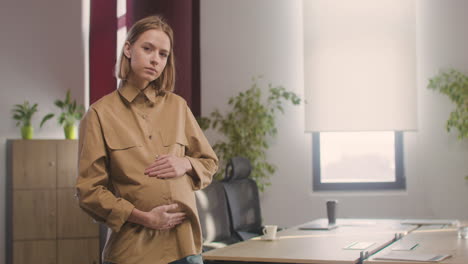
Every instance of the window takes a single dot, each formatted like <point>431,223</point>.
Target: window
<point>358,161</point>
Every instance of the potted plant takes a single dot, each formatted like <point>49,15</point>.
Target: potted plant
<point>247,128</point>
<point>71,113</point>
<point>23,114</point>
<point>454,84</point>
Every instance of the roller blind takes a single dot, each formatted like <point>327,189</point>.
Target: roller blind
<point>360,65</point>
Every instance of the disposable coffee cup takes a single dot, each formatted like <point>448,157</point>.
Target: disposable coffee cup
<point>331,211</point>
<point>269,232</point>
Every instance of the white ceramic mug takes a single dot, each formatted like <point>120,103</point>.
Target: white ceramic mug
<point>463,232</point>
<point>269,232</point>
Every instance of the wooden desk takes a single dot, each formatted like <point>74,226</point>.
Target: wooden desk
<point>314,246</point>
<point>436,241</point>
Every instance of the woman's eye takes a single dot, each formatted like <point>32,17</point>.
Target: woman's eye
<point>164,55</point>
<point>146,48</point>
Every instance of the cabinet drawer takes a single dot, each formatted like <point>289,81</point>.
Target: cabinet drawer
<point>72,221</point>
<point>78,251</point>
<point>67,159</point>
<point>34,214</point>
<point>37,252</point>
<point>34,164</point>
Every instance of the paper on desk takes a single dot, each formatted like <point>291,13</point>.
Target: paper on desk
<point>404,246</point>
<point>413,256</point>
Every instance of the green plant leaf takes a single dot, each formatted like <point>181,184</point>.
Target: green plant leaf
<point>68,98</point>
<point>62,119</point>
<point>73,107</point>
<point>59,104</point>
<point>45,118</point>
<point>17,117</point>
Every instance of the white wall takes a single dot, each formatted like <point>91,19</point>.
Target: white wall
<point>244,38</point>
<point>41,57</point>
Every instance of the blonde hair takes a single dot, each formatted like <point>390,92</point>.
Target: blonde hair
<point>166,81</point>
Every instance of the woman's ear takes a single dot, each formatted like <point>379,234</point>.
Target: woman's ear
<point>126,49</point>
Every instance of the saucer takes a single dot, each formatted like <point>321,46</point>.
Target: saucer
<point>269,239</point>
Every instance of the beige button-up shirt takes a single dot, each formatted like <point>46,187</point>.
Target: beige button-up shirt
<point>120,136</point>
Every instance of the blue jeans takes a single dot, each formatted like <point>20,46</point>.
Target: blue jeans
<point>194,259</point>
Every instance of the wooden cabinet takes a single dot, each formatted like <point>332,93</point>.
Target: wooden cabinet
<point>44,222</point>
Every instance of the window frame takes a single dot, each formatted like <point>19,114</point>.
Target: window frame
<point>398,184</point>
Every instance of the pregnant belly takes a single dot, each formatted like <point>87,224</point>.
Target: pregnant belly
<point>152,192</point>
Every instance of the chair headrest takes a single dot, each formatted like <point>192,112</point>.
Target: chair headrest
<point>238,168</point>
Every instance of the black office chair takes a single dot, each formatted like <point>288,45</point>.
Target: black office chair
<point>214,217</point>
<point>243,199</point>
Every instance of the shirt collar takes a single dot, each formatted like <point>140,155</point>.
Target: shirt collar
<point>130,92</point>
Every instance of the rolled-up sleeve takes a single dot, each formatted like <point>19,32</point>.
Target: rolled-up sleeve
<point>92,185</point>
<point>199,152</point>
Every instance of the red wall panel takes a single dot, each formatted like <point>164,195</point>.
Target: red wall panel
<point>102,49</point>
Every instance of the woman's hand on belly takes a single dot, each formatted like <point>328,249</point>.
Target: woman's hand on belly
<point>168,166</point>
<point>159,217</point>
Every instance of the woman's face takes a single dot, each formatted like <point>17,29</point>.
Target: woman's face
<point>148,56</point>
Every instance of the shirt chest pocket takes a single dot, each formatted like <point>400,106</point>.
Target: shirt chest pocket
<point>122,147</point>
<point>173,143</point>
<point>120,139</point>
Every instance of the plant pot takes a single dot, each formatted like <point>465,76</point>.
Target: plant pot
<point>27,132</point>
<point>70,131</point>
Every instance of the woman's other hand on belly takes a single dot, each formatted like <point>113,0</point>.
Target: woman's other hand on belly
<point>160,217</point>
<point>169,166</point>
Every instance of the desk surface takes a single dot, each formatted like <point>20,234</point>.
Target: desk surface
<point>435,241</point>
<point>314,246</point>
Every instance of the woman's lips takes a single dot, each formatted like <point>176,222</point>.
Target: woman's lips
<point>151,70</point>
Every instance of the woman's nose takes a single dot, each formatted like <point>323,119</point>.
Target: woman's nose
<point>154,59</point>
